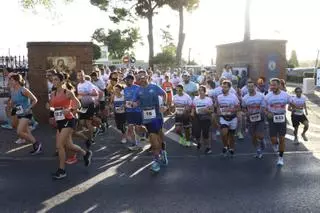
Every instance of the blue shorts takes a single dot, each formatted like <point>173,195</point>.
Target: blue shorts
<point>134,118</point>
<point>154,126</point>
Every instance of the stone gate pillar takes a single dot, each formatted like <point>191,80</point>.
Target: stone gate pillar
<point>62,56</point>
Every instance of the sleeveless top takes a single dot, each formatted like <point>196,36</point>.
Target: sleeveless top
<point>61,101</point>
<point>20,101</point>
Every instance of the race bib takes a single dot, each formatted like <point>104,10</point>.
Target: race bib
<point>279,118</point>
<point>59,115</point>
<point>225,111</point>
<point>83,110</point>
<point>179,110</point>
<point>255,117</point>
<point>200,109</point>
<point>168,89</point>
<point>119,109</point>
<point>149,114</point>
<point>298,112</point>
<point>129,104</point>
<point>19,110</point>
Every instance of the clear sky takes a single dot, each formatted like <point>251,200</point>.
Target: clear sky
<point>215,22</point>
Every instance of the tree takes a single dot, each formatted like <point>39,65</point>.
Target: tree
<point>142,8</point>
<point>293,61</point>
<point>96,52</point>
<point>30,4</point>
<point>167,58</point>
<point>119,42</point>
<point>179,5</point>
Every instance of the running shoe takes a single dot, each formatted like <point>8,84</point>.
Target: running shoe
<point>89,143</point>
<point>182,141</point>
<point>20,141</point>
<point>155,167</point>
<point>134,147</point>
<point>225,152</point>
<point>259,154</point>
<point>87,158</point>
<point>231,153</point>
<point>59,174</point>
<point>72,160</point>
<point>6,126</point>
<point>304,137</point>
<point>296,140</point>
<point>164,158</point>
<point>218,133</point>
<point>208,151</point>
<point>37,148</point>
<point>123,140</point>
<point>188,143</point>
<point>280,161</point>
<point>198,145</point>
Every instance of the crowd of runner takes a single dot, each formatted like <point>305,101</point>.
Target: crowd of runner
<point>204,107</point>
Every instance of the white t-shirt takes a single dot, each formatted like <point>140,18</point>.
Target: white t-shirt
<point>254,104</point>
<point>175,81</point>
<point>182,101</point>
<point>277,103</point>
<point>228,104</point>
<point>227,74</point>
<point>100,86</point>
<point>201,104</point>
<point>299,105</point>
<point>86,87</point>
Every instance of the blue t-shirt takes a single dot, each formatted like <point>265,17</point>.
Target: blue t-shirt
<point>148,98</point>
<point>130,95</point>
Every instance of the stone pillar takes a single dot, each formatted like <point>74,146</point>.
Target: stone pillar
<point>71,56</point>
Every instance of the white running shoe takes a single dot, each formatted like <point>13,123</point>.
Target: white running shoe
<point>240,135</point>
<point>275,147</point>
<point>280,161</point>
<point>123,140</point>
<point>20,141</point>
<point>134,148</point>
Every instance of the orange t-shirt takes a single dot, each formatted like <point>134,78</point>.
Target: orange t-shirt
<point>167,86</point>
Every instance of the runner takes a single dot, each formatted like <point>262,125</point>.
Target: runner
<point>228,106</point>
<point>86,94</point>
<point>276,102</point>
<point>61,104</point>
<point>148,101</point>
<point>182,103</point>
<point>119,111</point>
<point>133,114</point>
<point>21,106</point>
<point>190,87</point>
<point>298,107</point>
<point>168,87</point>
<point>254,106</point>
<point>201,112</point>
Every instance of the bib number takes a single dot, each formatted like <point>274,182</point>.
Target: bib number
<point>119,109</point>
<point>298,112</point>
<point>59,115</point>
<point>200,110</point>
<point>83,110</point>
<point>168,89</point>
<point>179,110</point>
<point>279,118</point>
<point>255,117</point>
<point>149,114</point>
<point>129,104</point>
<point>19,110</point>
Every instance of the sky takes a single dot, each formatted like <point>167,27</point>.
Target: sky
<point>214,22</point>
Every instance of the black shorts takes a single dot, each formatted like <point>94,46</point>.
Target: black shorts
<point>89,114</point>
<point>29,116</point>
<point>134,118</point>
<point>154,126</point>
<point>183,119</point>
<point>67,123</point>
<point>297,119</point>
<point>277,129</point>
<point>201,127</point>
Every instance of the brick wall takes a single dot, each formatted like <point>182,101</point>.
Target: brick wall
<point>38,52</point>
<point>253,53</point>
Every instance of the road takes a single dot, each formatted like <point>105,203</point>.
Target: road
<point>120,181</point>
